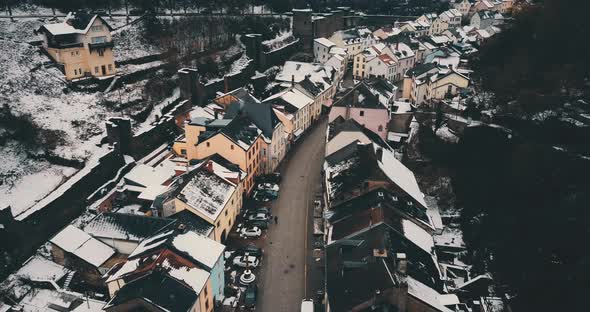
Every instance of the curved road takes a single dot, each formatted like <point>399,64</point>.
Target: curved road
<point>283,281</point>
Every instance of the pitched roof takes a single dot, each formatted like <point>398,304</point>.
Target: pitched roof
<point>193,222</point>
<point>206,192</point>
<point>74,23</point>
<point>124,226</point>
<point>297,71</point>
<point>260,113</point>
<point>366,98</point>
<point>176,297</point>
<point>187,257</point>
<point>325,42</point>
<point>79,243</point>
<point>242,130</point>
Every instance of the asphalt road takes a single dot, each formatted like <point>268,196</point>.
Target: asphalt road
<point>287,248</point>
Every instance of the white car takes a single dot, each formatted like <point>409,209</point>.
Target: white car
<point>258,217</point>
<point>251,232</point>
<point>268,186</point>
<point>246,261</point>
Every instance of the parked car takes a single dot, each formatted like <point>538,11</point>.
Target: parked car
<point>265,195</point>
<point>263,225</point>
<point>250,296</point>
<point>264,210</point>
<point>307,305</point>
<point>268,186</point>
<point>254,232</point>
<point>246,261</point>
<point>251,250</point>
<point>258,217</point>
<point>270,178</point>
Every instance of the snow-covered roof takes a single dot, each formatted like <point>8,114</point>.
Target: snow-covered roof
<point>426,294</point>
<point>297,71</point>
<point>146,176</point>
<point>292,96</point>
<point>400,174</point>
<point>200,248</point>
<point>325,42</point>
<point>402,50</point>
<point>84,246</point>
<point>151,243</point>
<point>207,193</point>
<point>38,268</point>
<point>418,236</point>
<point>65,27</point>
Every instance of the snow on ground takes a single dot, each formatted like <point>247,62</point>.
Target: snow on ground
<point>130,43</point>
<point>76,118</point>
<point>447,135</point>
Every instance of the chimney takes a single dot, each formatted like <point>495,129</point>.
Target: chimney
<point>209,166</point>
<point>182,228</point>
<point>402,263</point>
<point>292,80</point>
<point>397,45</point>
<point>225,84</point>
<point>379,154</point>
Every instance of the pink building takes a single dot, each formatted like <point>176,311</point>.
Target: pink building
<point>366,103</point>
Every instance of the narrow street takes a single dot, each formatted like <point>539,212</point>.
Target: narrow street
<point>283,281</point>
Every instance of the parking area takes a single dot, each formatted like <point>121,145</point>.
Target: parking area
<point>280,267</point>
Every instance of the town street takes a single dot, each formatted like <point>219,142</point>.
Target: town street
<point>282,284</point>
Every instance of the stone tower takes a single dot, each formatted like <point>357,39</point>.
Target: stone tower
<point>303,27</point>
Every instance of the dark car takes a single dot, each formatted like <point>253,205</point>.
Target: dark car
<point>264,210</point>
<point>270,178</point>
<point>250,296</point>
<point>250,249</point>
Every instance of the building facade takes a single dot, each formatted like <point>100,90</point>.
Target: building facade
<point>82,46</point>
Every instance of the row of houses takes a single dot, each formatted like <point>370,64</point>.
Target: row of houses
<point>165,222</point>
<point>386,247</point>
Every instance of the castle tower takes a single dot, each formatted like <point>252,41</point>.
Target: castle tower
<point>303,27</point>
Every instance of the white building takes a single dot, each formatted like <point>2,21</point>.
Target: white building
<point>403,55</point>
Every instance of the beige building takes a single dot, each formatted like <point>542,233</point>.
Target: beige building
<point>82,45</point>
<point>426,82</point>
<point>210,196</point>
<point>238,140</point>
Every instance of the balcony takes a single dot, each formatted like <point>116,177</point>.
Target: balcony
<point>65,45</point>
<point>101,45</point>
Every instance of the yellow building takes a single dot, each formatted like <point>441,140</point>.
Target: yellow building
<point>238,140</point>
<point>82,45</point>
<point>211,196</point>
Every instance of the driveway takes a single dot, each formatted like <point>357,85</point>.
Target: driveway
<point>287,248</point>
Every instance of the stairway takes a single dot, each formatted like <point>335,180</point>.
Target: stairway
<point>69,280</point>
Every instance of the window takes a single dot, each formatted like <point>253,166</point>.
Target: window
<point>100,52</point>
<point>96,69</point>
<point>218,223</point>
<point>231,147</point>
<point>183,152</point>
<point>80,71</point>
<point>77,52</point>
<point>110,67</point>
<point>75,72</point>
<point>362,113</point>
<point>206,302</point>
<point>101,39</point>
<point>380,128</point>
<point>72,53</point>
<point>226,212</point>
<point>208,144</point>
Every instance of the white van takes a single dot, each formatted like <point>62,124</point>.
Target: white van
<point>307,305</point>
